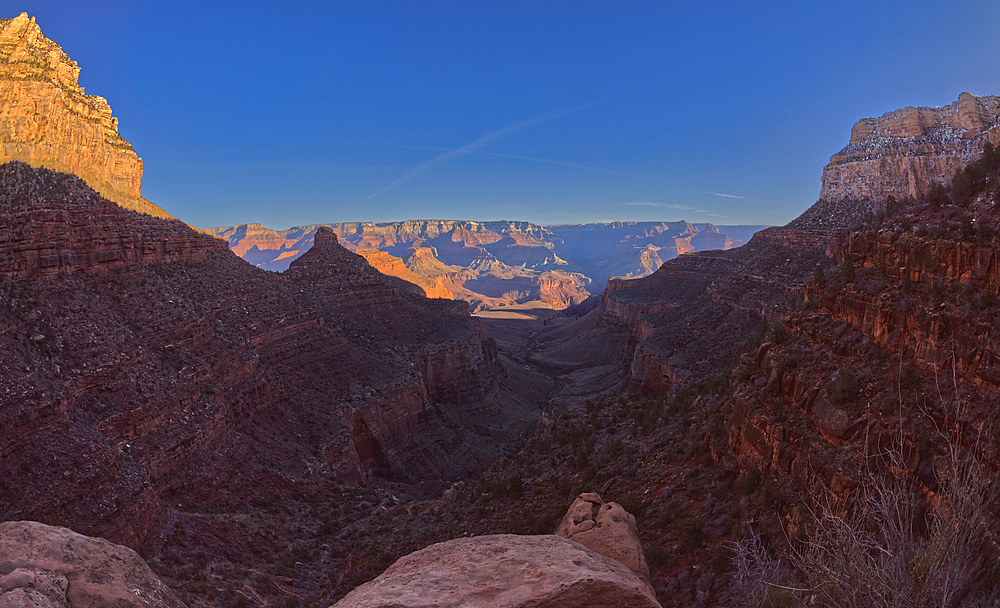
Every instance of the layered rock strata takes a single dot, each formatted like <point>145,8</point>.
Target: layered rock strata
<point>693,314</point>
<point>903,152</point>
<point>144,367</point>
<point>932,337</point>
<point>46,119</point>
<point>494,264</point>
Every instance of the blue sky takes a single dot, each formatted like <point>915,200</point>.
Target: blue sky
<point>551,112</point>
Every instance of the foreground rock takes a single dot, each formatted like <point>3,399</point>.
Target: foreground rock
<point>46,566</point>
<point>607,528</point>
<point>504,571</point>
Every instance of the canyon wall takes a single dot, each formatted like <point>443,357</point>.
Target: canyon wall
<point>696,311</point>
<point>903,152</point>
<point>144,368</point>
<point>495,264</point>
<point>46,119</point>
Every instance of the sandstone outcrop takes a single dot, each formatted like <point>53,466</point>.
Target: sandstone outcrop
<point>46,119</point>
<point>606,528</point>
<point>392,266</point>
<point>504,571</point>
<point>903,152</point>
<point>50,567</point>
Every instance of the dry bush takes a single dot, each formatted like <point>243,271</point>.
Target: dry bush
<point>894,545</point>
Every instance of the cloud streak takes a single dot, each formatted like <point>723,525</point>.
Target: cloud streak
<point>540,160</point>
<point>727,195</point>
<point>485,140</point>
<point>745,198</point>
<point>666,205</point>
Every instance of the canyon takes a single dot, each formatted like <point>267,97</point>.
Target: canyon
<point>266,438</point>
<point>144,366</point>
<point>497,264</point>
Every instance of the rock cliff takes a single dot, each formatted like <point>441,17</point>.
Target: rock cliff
<point>888,368</point>
<point>695,312</point>
<point>903,152</point>
<point>46,119</point>
<point>691,316</point>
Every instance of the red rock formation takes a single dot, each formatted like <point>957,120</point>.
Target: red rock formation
<point>55,234</point>
<point>902,153</point>
<point>931,337</point>
<point>147,366</point>
<point>47,121</point>
<point>395,267</point>
<point>494,264</point>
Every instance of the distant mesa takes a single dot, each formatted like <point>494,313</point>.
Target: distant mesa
<point>495,264</point>
<point>47,121</point>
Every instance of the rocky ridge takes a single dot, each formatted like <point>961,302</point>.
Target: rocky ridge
<point>494,264</point>
<point>146,370</point>
<point>46,119</point>
<point>51,567</point>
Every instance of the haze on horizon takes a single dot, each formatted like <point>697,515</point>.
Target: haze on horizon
<point>559,113</point>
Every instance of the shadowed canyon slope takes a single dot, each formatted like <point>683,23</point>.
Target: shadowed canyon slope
<point>694,313</point>
<point>46,120</point>
<point>805,372</point>
<point>144,366</point>
<point>491,264</point>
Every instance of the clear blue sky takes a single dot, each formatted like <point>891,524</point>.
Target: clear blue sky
<point>560,112</point>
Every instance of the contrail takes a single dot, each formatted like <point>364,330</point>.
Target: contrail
<point>728,195</point>
<point>485,140</point>
<point>667,205</point>
<point>746,198</point>
<point>540,160</point>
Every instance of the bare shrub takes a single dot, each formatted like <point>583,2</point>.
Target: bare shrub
<point>893,544</point>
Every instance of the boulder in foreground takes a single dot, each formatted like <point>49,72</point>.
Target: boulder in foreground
<point>51,567</point>
<point>608,529</point>
<point>504,571</point>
